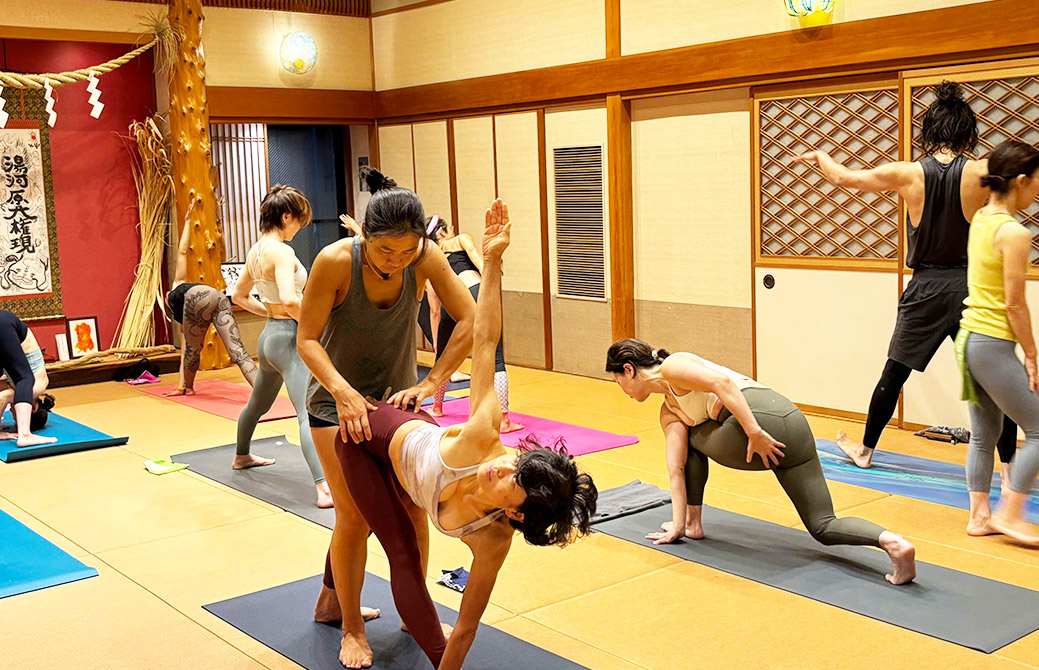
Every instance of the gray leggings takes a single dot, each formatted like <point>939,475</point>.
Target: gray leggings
<point>1002,386</point>
<point>799,471</point>
<point>279,361</point>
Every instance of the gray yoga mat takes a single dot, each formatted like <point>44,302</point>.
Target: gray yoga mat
<point>947,604</point>
<point>283,619</point>
<point>287,484</point>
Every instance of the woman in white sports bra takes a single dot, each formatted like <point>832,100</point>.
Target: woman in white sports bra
<point>712,412</point>
<point>464,480</point>
<point>278,276</point>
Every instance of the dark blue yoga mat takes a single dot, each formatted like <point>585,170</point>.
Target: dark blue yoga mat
<point>283,619</point>
<point>451,386</point>
<point>29,563</point>
<point>908,476</point>
<point>72,436</point>
<point>947,604</point>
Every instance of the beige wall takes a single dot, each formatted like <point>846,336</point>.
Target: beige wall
<point>474,171</point>
<point>691,184</point>
<point>519,185</point>
<point>471,38</point>
<point>241,46</point>
<point>651,25</point>
<point>432,176</point>
<point>822,335</point>
<point>396,159</point>
<point>720,334</point>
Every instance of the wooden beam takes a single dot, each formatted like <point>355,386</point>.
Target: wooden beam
<point>299,105</point>
<point>920,39</point>
<point>546,273</point>
<point>356,8</point>
<point>452,174</point>
<point>613,28</point>
<point>408,8</point>
<point>621,217</point>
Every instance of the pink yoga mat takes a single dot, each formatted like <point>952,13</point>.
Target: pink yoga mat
<point>224,399</point>
<point>578,439</point>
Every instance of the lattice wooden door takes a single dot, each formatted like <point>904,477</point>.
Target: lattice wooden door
<point>801,214</point>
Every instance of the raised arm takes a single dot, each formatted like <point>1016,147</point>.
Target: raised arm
<point>330,273</point>
<point>181,274</point>
<point>895,176</point>
<point>489,547</point>
<point>687,373</point>
<point>484,406</point>
<point>1015,243</point>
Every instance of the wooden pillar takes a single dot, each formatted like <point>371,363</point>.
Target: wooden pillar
<point>192,180</point>
<point>613,28</point>
<point>621,217</point>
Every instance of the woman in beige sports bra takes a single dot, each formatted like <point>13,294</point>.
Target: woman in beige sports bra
<point>277,275</point>
<point>711,412</point>
<point>464,480</point>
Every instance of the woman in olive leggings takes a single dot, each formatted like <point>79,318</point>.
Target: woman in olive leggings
<point>711,412</point>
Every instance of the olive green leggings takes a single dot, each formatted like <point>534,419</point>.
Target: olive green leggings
<point>799,471</point>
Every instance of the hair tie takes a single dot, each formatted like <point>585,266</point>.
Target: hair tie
<point>656,354</point>
<point>433,223</point>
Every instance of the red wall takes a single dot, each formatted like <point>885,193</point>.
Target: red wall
<point>95,201</point>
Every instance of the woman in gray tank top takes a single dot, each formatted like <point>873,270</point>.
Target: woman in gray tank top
<point>357,335</point>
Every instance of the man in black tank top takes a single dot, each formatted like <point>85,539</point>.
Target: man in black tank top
<point>942,192</point>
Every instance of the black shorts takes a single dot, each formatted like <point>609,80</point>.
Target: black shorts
<point>928,312</point>
<point>315,422</point>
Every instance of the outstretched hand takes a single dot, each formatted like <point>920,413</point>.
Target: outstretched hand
<point>350,224</point>
<point>808,157</point>
<point>496,230</point>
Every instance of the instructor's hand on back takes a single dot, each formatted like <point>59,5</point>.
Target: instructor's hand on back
<point>353,415</point>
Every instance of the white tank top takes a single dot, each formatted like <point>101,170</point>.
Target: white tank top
<point>698,406</point>
<point>424,475</point>
<point>267,289</point>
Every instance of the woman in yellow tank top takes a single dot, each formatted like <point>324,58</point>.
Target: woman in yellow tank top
<point>995,322</point>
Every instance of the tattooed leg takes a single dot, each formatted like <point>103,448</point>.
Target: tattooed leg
<point>227,328</point>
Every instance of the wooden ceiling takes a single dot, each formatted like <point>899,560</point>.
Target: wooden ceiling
<point>361,8</point>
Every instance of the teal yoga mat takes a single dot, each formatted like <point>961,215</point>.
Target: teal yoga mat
<point>30,563</point>
<point>72,436</point>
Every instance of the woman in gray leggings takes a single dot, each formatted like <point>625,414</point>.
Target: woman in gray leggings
<point>278,276</point>
<point>711,412</point>
<point>995,322</point>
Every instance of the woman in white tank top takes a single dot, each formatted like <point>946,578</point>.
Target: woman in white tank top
<point>464,481</point>
<point>277,275</point>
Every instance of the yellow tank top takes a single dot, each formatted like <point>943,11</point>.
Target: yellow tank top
<point>986,312</point>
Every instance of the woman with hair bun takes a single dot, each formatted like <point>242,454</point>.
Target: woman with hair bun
<point>995,322</point>
<point>942,192</point>
<point>712,412</point>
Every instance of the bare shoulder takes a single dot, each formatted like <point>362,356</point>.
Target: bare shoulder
<point>337,251</point>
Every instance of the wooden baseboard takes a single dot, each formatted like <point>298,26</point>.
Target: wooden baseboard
<point>858,417</point>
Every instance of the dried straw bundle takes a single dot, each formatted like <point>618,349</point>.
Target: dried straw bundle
<point>150,159</point>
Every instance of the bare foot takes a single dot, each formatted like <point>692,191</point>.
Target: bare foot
<point>1018,530</point>
<point>8,436</point>
<point>459,377</point>
<point>690,532</point>
<point>856,451</point>
<point>250,461</point>
<point>978,527</point>
<point>324,496</point>
<point>327,609</point>
<point>437,409</point>
<point>354,651</point>
<point>31,440</point>
<point>903,558</point>
<point>508,425</point>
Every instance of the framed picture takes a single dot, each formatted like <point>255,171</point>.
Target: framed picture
<point>232,272</point>
<point>83,336</point>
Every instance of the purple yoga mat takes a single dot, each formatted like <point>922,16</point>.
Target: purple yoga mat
<point>578,439</point>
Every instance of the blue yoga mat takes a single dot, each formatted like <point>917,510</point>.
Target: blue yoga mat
<point>72,436</point>
<point>908,476</point>
<point>451,386</point>
<point>29,563</point>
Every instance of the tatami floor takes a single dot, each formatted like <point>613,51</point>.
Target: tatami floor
<point>165,546</point>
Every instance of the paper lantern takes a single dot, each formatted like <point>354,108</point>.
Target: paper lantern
<point>298,53</point>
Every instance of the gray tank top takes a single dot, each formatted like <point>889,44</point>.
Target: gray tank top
<point>374,349</point>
